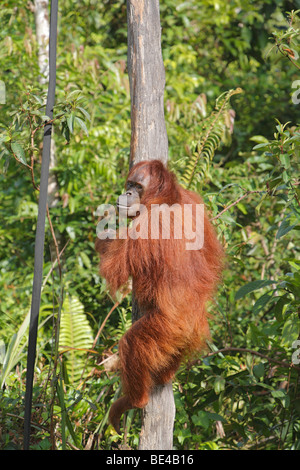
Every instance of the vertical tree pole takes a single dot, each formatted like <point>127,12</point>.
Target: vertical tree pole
<point>149,141</point>
<point>40,227</point>
<point>147,81</point>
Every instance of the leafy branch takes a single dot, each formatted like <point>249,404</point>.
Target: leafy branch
<point>30,118</point>
<point>281,154</point>
<point>236,202</point>
<point>27,121</point>
<point>254,353</point>
<point>211,135</point>
<point>286,42</point>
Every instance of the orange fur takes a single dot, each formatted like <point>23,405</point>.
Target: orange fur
<point>171,285</point>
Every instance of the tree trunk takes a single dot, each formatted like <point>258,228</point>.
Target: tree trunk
<point>41,14</point>
<point>42,36</point>
<point>149,141</point>
<point>147,81</point>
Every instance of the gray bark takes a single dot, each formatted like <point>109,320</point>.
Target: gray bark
<point>41,13</point>
<point>149,141</point>
<point>147,81</point>
<point>42,37</point>
<point>158,420</point>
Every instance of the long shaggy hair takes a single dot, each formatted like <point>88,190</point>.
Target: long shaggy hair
<point>171,285</point>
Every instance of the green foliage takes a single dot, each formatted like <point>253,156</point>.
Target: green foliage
<point>13,355</point>
<point>214,127</point>
<point>239,150</point>
<point>75,338</point>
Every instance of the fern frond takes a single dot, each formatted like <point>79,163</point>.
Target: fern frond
<point>75,337</point>
<point>211,136</point>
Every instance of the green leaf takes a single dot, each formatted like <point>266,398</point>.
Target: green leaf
<point>259,370</point>
<point>82,125</point>
<point>84,112</point>
<point>219,384</point>
<point>75,337</point>
<point>258,206</point>
<point>201,419</point>
<point>285,160</point>
<point>260,146</point>
<point>274,182</point>
<point>262,302</point>
<point>86,260</point>
<point>4,138</point>
<point>278,393</point>
<point>205,418</point>
<point>70,122</point>
<point>282,396</point>
<point>2,351</point>
<point>65,131</point>
<point>285,176</point>
<point>281,302</point>
<point>242,208</point>
<point>19,152</point>
<point>252,286</point>
<point>73,94</point>
<point>284,228</point>
<point>291,330</point>
<point>257,336</point>
<point>45,118</point>
<point>260,139</point>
